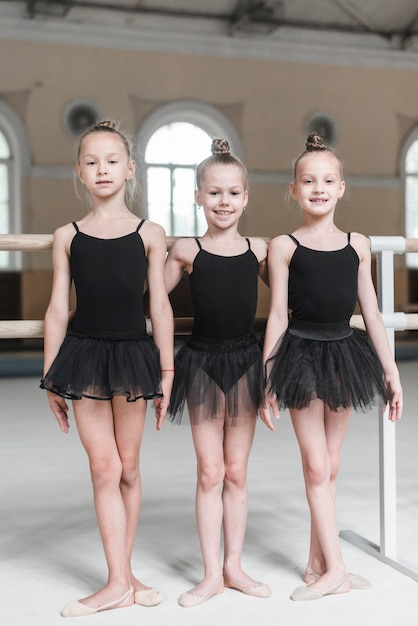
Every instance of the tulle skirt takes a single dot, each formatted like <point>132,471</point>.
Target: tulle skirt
<point>101,368</point>
<point>343,372</point>
<point>218,379</point>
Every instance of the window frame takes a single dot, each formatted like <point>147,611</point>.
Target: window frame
<point>207,117</point>
<point>18,168</point>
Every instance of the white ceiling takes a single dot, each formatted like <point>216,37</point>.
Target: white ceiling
<point>358,32</point>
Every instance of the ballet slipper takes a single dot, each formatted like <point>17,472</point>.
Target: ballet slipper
<point>78,609</point>
<point>148,597</point>
<point>259,590</point>
<point>189,599</point>
<point>305,592</point>
<point>356,581</point>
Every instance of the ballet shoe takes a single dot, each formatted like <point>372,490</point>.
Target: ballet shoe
<point>356,581</point>
<point>189,599</point>
<point>78,609</point>
<point>148,597</point>
<point>259,590</point>
<point>304,592</point>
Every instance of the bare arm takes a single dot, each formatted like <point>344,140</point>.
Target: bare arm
<point>375,326</point>
<point>280,251</point>
<point>161,313</point>
<point>57,317</point>
<point>260,249</point>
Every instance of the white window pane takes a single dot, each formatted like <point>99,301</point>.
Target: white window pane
<point>4,147</point>
<point>159,196</point>
<point>179,143</point>
<point>411,216</point>
<point>4,184</point>
<point>411,161</point>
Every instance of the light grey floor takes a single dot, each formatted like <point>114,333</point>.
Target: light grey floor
<point>51,553</point>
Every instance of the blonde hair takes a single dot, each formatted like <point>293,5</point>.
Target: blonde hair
<point>107,126</point>
<point>315,143</point>
<point>221,155</point>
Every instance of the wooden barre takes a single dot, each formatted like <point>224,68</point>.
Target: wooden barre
<point>27,243</point>
<point>24,329</point>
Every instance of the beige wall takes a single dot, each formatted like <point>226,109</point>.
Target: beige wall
<point>266,101</point>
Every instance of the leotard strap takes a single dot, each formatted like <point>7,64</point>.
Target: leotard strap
<point>348,237</point>
<point>75,226</point>
<point>293,239</point>
<point>248,242</point>
<point>198,243</point>
<point>139,225</point>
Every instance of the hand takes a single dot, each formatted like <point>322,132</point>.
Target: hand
<point>59,408</point>
<point>270,405</point>
<point>161,404</point>
<point>396,403</point>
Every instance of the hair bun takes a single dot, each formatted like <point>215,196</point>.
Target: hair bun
<point>220,146</point>
<point>315,142</point>
<point>106,124</point>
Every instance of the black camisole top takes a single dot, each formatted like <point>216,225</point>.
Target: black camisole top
<point>109,277</point>
<point>323,284</point>
<point>224,294</point>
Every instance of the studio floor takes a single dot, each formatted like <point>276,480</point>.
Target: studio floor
<point>51,552</point>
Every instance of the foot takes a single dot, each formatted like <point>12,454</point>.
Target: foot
<point>201,593</point>
<point>145,596</point>
<point>356,581</point>
<point>309,592</point>
<point>238,579</point>
<point>79,608</point>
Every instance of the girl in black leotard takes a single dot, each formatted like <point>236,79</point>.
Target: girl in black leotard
<point>106,363</point>
<point>219,370</point>
<point>317,366</point>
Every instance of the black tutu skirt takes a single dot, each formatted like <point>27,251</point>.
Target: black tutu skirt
<point>101,368</point>
<point>343,372</point>
<point>218,379</point>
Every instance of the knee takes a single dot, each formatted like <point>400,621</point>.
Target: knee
<point>236,475</point>
<point>210,477</point>
<point>317,472</point>
<point>105,472</point>
<point>130,471</point>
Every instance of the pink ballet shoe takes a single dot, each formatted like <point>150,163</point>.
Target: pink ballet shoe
<point>148,597</point>
<point>259,590</point>
<point>305,592</point>
<point>356,581</point>
<point>78,609</point>
<point>189,599</point>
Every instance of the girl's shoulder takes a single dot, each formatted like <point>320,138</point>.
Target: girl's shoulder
<point>259,247</point>
<point>184,249</point>
<point>361,244</point>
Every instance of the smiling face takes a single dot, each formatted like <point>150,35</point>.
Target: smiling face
<point>223,194</point>
<point>104,165</point>
<point>318,184</point>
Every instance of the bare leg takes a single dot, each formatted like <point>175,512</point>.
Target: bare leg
<point>237,446</point>
<point>208,443</point>
<point>96,426</point>
<point>320,434</point>
<point>129,420</point>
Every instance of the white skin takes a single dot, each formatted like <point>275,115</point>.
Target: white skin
<point>222,451</point>
<point>111,431</point>
<point>320,432</point>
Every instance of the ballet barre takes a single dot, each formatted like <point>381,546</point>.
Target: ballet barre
<point>384,248</point>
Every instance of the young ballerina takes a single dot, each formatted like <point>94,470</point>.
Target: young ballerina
<point>317,365</point>
<point>219,370</point>
<point>105,362</point>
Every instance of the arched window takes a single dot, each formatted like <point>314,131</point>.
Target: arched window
<point>174,140</point>
<point>171,157</point>
<point>411,195</point>
<point>5,161</point>
<point>14,166</point>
